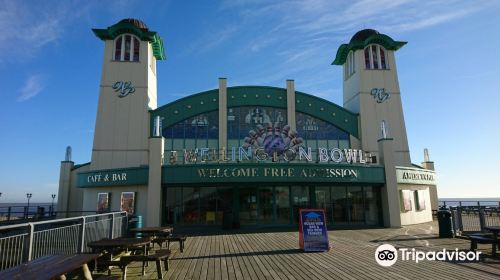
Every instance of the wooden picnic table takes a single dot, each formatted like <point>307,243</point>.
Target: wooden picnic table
<point>495,230</point>
<point>51,267</point>
<point>152,230</point>
<point>120,244</point>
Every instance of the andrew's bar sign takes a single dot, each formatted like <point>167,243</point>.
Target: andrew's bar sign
<point>407,175</point>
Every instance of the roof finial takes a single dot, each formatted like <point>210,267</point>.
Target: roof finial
<point>68,154</point>
<point>426,155</point>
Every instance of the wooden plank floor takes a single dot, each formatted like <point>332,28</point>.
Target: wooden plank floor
<point>275,255</point>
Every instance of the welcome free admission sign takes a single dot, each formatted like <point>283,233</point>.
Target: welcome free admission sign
<point>313,235</point>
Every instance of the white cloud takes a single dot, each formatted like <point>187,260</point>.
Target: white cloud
<point>32,87</point>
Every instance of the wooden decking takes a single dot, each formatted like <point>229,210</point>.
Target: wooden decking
<point>274,255</point>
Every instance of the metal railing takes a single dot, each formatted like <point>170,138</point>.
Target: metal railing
<point>24,242</point>
<point>471,219</point>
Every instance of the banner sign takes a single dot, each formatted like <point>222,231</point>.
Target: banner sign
<point>208,173</point>
<point>313,235</point>
<point>113,177</point>
<point>407,175</point>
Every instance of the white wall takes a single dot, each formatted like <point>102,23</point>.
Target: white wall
<point>90,197</point>
<point>414,216</point>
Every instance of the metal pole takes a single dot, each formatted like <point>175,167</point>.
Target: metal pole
<point>9,210</point>
<point>112,227</point>
<point>81,241</point>
<point>28,243</point>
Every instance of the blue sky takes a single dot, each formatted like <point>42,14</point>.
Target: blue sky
<point>449,73</point>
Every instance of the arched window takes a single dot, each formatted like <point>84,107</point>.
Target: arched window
<point>375,57</point>
<point>349,65</point>
<point>127,48</point>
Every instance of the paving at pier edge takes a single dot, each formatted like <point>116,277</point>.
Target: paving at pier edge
<point>275,255</point>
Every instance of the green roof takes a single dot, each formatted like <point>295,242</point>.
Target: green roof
<point>120,28</point>
<point>380,39</point>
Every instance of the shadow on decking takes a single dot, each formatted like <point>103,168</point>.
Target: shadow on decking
<point>407,238</point>
<point>245,254</point>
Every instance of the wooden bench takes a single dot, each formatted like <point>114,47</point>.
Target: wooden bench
<point>171,238</point>
<point>482,239</point>
<point>158,257</point>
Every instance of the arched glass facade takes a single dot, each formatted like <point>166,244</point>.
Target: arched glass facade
<point>252,121</point>
<point>200,131</point>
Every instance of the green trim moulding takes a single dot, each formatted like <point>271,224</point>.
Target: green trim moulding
<point>380,39</point>
<point>272,173</point>
<point>113,177</point>
<point>207,101</point>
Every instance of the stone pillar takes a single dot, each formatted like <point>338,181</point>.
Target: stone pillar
<point>290,104</point>
<point>153,216</point>
<point>222,113</point>
<point>390,194</point>
<point>64,186</point>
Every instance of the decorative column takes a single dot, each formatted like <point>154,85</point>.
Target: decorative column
<point>390,194</point>
<point>64,186</point>
<point>429,165</point>
<point>222,113</point>
<point>156,146</point>
<point>290,104</point>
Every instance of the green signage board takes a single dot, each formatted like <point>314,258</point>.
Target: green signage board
<point>113,177</point>
<point>272,173</point>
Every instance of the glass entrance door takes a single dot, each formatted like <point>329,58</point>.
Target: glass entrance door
<point>248,205</point>
<point>266,202</point>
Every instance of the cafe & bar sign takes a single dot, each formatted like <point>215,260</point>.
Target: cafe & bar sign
<point>113,177</point>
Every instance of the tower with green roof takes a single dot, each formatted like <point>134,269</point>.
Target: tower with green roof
<point>127,92</point>
<point>371,89</point>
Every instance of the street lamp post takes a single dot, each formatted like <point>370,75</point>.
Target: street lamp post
<point>53,197</point>
<point>28,196</point>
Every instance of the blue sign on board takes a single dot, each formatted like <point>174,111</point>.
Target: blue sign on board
<point>313,235</point>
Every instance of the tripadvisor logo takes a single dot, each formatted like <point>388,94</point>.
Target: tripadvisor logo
<point>387,255</point>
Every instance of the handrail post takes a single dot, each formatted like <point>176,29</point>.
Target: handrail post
<point>112,227</point>
<point>28,244</point>
<point>81,240</point>
<point>481,219</point>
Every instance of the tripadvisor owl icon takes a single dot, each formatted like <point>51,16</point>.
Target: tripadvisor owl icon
<point>386,255</point>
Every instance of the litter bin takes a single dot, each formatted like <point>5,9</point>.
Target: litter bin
<point>135,222</point>
<point>40,212</point>
<point>445,224</point>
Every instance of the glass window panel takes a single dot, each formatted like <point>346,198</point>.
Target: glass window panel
<point>367,58</point>
<point>375,57</point>
<point>333,144</point>
<point>355,196</point>
<point>248,205</point>
<point>300,199</point>
<point>178,144</point>
<point>382,59</point>
<point>343,144</point>
<point>191,213</point>
<point>310,128</point>
<point>282,195</point>
<point>372,210</point>
<point>127,47</point>
<point>224,204</point>
<point>339,205</point>
<point>173,205</point>
<point>266,205</point>
<point>213,143</point>
<point>323,202</point>
<point>118,48</point>
<point>208,205</point>
<point>189,144</point>
<point>137,45</point>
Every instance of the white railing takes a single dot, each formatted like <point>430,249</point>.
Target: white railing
<point>24,242</point>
